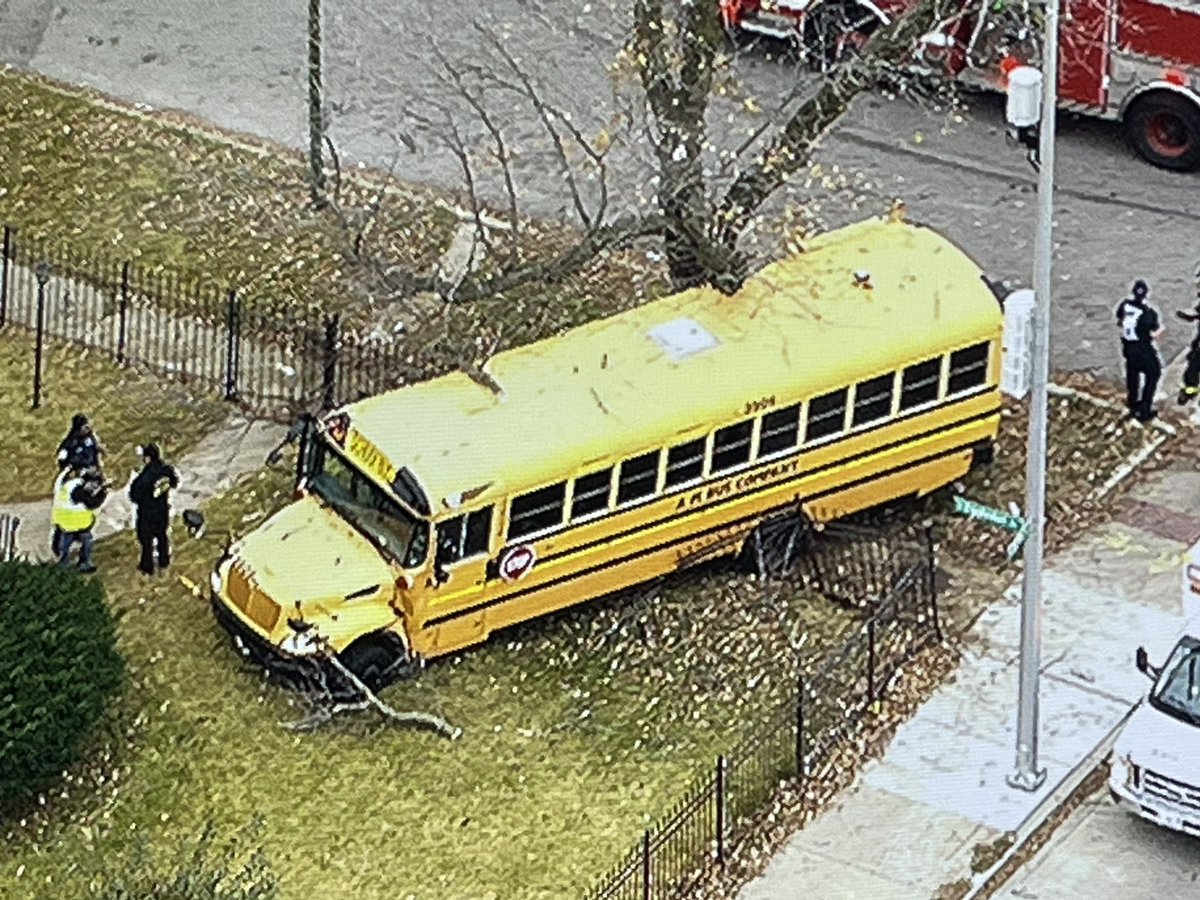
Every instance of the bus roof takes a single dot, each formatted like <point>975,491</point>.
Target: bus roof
<point>676,367</point>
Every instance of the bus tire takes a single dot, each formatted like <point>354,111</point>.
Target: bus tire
<point>375,660</point>
<point>1164,128</point>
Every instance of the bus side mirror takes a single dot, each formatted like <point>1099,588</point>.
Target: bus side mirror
<point>1143,663</point>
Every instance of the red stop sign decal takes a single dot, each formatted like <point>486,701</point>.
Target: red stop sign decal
<point>515,562</point>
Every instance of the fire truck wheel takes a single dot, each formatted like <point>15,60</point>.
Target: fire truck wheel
<point>1165,129</point>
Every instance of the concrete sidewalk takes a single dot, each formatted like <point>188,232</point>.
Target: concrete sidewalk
<point>240,445</point>
<point>913,817</point>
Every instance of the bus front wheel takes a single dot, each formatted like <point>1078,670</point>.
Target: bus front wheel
<point>1164,128</point>
<point>376,661</point>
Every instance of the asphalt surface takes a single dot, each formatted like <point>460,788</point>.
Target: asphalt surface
<point>244,68</point>
<point>1103,852</point>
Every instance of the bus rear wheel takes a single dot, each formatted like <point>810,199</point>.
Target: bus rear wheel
<point>1164,128</point>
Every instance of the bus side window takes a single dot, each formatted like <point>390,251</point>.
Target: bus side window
<point>638,478</point>
<point>919,383</point>
<point>685,462</point>
<point>464,536</point>
<point>826,415</point>
<point>780,431</point>
<point>968,368</point>
<point>591,493</point>
<point>731,446</point>
<point>873,399</point>
<point>537,511</point>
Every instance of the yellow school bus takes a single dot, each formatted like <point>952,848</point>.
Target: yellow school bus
<point>862,369</point>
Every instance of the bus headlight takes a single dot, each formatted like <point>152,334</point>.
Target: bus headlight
<point>302,643</point>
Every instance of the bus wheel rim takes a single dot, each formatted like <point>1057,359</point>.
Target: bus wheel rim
<point>1167,134</point>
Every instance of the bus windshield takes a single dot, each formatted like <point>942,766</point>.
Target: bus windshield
<point>367,507</point>
<point>1177,691</point>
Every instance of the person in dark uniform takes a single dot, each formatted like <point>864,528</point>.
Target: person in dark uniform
<point>1191,374</point>
<point>80,449</point>
<point>1140,327</point>
<point>150,493</point>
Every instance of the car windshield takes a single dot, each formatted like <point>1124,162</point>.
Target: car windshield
<point>367,507</point>
<point>1177,691</point>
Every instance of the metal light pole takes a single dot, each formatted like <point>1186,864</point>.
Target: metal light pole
<point>315,161</point>
<point>1027,776</point>
<point>42,272</point>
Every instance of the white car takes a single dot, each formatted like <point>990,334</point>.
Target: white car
<point>1156,759</point>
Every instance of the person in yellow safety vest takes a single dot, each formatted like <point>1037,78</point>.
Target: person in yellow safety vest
<point>74,516</point>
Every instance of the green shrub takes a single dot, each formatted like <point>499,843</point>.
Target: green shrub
<point>59,668</point>
<point>199,871</point>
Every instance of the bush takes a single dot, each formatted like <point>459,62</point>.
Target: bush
<point>199,871</point>
<point>59,668</point>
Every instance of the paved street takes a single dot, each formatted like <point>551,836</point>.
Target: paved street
<point>243,67</point>
<point>1104,853</point>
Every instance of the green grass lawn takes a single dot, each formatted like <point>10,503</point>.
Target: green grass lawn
<point>577,727</point>
<point>126,408</point>
<point>148,188</point>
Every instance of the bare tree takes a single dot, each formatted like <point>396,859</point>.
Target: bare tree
<point>701,205</point>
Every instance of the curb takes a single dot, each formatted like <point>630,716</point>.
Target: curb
<point>1039,825</point>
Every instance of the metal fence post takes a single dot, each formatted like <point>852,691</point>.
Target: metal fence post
<point>646,864</point>
<point>721,810</point>
<point>329,362</point>
<point>232,326</point>
<point>870,661</point>
<point>5,253</point>
<point>122,313</point>
<point>800,725</point>
<point>42,272</point>
<point>931,564</point>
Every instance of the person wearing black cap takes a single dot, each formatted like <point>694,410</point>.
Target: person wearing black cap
<point>150,493</point>
<point>1140,327</point>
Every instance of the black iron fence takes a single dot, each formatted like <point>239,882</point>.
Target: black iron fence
<point>799,738</point>
<point>8,536</point>
<point>277,358</point>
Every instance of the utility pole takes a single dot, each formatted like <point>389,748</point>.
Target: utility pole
<point>1027,776</point>
<point>315,129</point>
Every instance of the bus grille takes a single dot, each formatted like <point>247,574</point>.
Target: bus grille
<point>1182,796</point>
<point>246,596</point>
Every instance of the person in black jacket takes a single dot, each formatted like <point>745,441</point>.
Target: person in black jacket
<point>1191,374</point>
<point>1140,327</point>
<point>150,492</point>
<point>80,449</point>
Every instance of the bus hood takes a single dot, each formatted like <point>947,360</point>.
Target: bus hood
<point>307,553</point>
<point>1161,743</point>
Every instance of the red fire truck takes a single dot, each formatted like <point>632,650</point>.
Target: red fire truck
<point>1132,61</point>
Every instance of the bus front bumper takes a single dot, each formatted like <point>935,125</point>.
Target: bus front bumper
<point>295,670</point>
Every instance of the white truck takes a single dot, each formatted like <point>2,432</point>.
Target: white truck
<point>1155,769</point>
